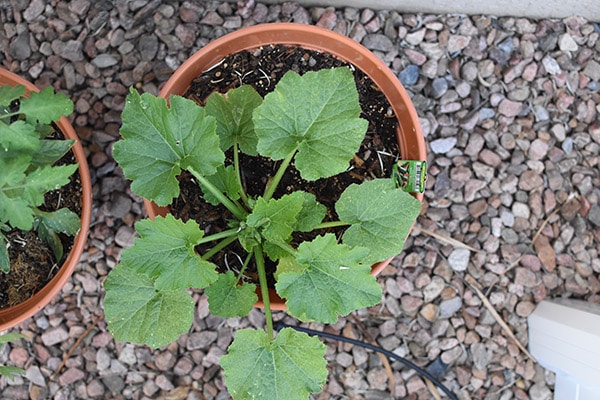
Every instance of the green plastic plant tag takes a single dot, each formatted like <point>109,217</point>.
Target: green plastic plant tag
<point>410,175</point>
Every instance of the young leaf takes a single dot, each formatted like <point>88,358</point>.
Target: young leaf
<point>226,181</point>
<point>233,113</point>
<point>138,311</point>
<point>9,93</point>
<point>50,151</point>
<point>275,221</point>
<point>165,253</point>
<point>228,299</point>
<point>18,136</point>
<point>49,223</point>
<point>10,337</point>
<point>45,106</point>
<point>326,280</point>
<point>44,179</point>
<point>158,142</point>
<point>311,214</point>
<point>290,367</point>
<point>319,120</point>
<point>381,215</point>
<point>4,258</point>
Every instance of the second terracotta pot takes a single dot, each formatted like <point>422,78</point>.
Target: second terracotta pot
<point>14,315</point>
<point>409,134</point>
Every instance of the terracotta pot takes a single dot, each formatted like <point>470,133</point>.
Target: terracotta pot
<point>12,316</point>
<point>410,137</point>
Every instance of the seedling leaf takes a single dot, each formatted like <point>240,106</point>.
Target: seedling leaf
<point>275,221</point>
<point>326,280</point>
<point>165,253</point>
<point>4,258</point>
<point>9,93</point>
<point>50,151</point>
<point>48,224</point>
<point>226,298</point>
<point>233,113</point>
<point>319,120</point>
<point>159,141</point>
<point>45,106</point>
<point>290,367</point>
<point>311,214</point>
<point>226,181</point>
<point>381,215</point>
<point>17,137</point>
<point>11,372</point>
<point>137,311</point>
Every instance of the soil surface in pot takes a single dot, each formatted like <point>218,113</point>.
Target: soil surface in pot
<point>32,261</point>
<point>262,68</point>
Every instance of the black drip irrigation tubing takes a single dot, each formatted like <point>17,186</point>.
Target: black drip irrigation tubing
<point>378,349</point>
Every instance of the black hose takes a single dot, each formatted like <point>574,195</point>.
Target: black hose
<point>369,346</point>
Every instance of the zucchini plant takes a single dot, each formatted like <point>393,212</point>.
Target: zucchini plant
<point>310,121</point>
<point>27,158</point>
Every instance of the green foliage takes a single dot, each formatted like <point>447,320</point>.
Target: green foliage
<point>9,371</point>
<point>311,122</point>
<point>27,167</point>
<point>289,367</point>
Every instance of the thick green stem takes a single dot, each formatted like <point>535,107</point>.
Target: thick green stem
<point>218,236</point>
<point>272,186</point>
<point>238,173</point>
<point>331,224</point>
<point>230,205</point>
<point>218,247</point>
<point>264,290</point>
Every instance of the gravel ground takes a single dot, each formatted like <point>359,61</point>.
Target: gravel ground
<point>509,110</point>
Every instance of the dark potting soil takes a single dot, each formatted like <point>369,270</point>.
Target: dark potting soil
<point>262,68</point>
<point>32,261</point>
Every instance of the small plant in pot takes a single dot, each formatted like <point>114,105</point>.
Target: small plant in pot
<point>45,205</point>
<point>310,123</point>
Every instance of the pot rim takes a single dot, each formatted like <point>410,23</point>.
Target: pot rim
<point>14,315</point>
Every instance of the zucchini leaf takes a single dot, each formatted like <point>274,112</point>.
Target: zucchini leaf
<point>289,367</point>
<point>381,215</point>
<point>159,141</point>
<point>325,280</point>
<point>226,298</point>
<point>316,114</point>
<point>233,112</point>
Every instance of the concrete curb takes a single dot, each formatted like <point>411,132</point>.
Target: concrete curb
<point>537,9</point>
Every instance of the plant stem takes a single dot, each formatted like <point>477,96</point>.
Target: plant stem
<point>246,262</point>
<point>272,186</point>
<point>238,173</point>
<point>331,224</point>
<point>264,290</point>
<point>218,247</point>
<point>230,205</point>
<point>220,235</point>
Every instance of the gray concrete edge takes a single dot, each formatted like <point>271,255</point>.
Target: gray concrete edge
<point>537,9</point>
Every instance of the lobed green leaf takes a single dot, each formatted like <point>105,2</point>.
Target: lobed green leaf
<point>137,311</point>
<point>10,93</point>
<point>226,181</point>
<point>45,106</point>
<point>381,215</point>
<point>326,280</point>
<point>227,298</point>
<point>290,367</point>
<point>4,258</point>
<point>159,141</point>
<point>18,137</point>
<point>320,121</point>
<point>275,221</point>
<point>233,112</point>
<point>165,253</point>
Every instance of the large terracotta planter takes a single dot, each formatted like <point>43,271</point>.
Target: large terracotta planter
<point>12,316</point>
<point>409,134</point>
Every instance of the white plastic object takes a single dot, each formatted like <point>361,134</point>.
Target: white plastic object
<point>564,337</point>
